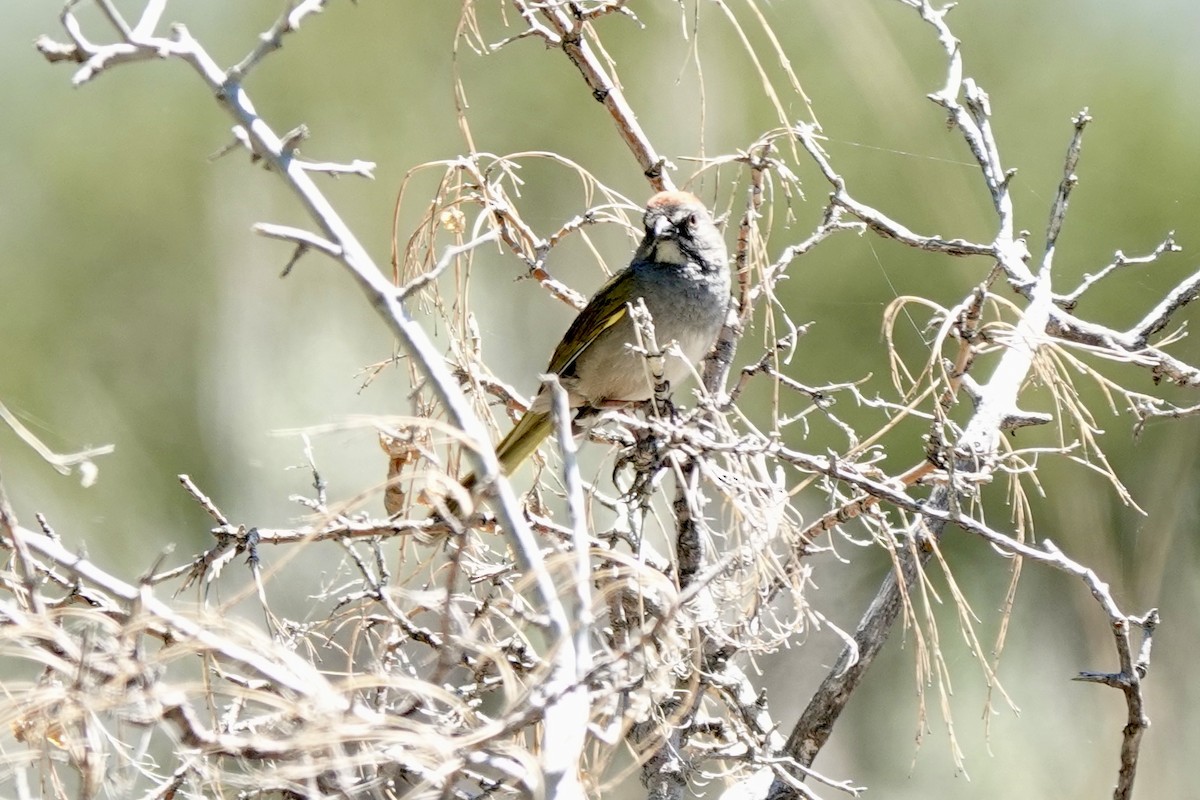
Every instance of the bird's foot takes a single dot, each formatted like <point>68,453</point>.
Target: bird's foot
<point>647,459</point>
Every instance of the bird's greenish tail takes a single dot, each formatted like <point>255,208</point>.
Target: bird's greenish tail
<point>519,444</point>
<point>522,440</point>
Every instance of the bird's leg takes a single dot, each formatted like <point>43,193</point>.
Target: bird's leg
<point>661,402</point>
<point>646,457</point>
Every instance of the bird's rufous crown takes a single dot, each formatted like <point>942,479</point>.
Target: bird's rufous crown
<point>673,198</point>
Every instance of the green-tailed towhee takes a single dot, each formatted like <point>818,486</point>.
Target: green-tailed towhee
<point>681,272</point>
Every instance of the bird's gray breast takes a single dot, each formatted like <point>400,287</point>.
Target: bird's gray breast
<point>686,305</point>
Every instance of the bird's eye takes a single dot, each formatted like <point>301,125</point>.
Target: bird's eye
<point>690,220</point>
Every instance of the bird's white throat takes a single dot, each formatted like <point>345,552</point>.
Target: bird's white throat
<point>667,251</point>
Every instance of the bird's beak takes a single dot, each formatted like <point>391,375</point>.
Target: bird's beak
<point>661,227</point>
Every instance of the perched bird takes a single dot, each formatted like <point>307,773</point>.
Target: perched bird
<point>681,272</point>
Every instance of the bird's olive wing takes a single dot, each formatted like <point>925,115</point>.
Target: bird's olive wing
<point>606,308</point>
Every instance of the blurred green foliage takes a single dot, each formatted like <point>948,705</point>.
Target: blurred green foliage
<point>137,308</point>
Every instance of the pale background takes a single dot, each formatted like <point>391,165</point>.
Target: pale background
<point>136,307</point>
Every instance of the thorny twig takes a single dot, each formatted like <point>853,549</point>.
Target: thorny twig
<point>996,402</point>
<point>960,460</point>
<point>558,27</point>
